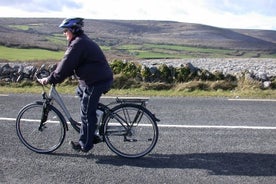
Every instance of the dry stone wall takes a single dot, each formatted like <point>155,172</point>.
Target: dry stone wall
<point>258,69</point>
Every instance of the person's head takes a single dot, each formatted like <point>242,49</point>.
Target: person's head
<point>72,27</point>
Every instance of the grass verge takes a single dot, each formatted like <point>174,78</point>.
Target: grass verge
<point>70,89</point>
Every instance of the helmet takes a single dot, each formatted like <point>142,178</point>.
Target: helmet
<point>72,23</point>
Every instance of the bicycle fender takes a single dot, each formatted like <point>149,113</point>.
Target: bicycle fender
<point>155,118</point>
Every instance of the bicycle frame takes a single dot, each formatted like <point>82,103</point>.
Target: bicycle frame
<point>119,118</point>
<point>54,96</point>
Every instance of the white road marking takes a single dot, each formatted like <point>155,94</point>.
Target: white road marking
<point>4,95</point>
<point>220,127</point>
<point>192,126</point>
<point>252,100</point>
<point>7,119</point>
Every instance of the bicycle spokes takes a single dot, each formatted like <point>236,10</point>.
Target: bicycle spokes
<point>42,133</point>
<point>130,131</point>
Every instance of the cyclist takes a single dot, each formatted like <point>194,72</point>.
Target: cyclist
<point>87,62</point>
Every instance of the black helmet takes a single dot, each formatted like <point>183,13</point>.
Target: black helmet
<point>72,23</point>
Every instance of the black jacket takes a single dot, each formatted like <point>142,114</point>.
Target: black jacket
<point>85,59</point>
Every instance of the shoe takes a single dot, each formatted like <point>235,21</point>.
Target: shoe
<point>97,139</point>
<point>75,146</point>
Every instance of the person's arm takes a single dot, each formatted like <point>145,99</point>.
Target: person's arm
<point>67,65</point>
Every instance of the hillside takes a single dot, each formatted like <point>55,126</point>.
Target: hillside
<point>115,35</point>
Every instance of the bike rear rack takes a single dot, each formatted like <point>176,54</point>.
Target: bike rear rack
<point>138,100</point>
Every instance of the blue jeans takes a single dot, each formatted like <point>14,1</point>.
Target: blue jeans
<point>89,97</point>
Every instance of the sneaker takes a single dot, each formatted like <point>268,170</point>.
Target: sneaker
<point>75,146</point>
<point>97,139</point>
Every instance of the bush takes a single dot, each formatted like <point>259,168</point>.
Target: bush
<point>166,73</point>
<point>146,74</point>
<point>230,78</point>
<point>245,81</point>
<point>129,69</point>
<point>117,66</point>
<point>224,85</point>
<point>123,82</point>
<point>205,75</point>
<point>157,86</point>
<point>273,84</point>
<point>218,75</point>
<point>132,70</point>
<point>182,74</point>
<point>25,83</point>
<point>192,86</point>
<point>206,85</point>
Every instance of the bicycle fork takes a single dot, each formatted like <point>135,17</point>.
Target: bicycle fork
<point>44,116</point>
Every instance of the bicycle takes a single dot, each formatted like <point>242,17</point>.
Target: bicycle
<point>127,127</point>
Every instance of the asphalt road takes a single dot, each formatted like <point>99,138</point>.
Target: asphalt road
<point>202,140</point>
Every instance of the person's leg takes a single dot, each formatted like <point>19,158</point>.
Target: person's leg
<point>89,104</point>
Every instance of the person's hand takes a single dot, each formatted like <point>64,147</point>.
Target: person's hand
<point>43,81</point>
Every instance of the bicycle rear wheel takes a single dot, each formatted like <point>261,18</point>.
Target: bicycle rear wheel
<point>40,137</point>
<point>130,130</point>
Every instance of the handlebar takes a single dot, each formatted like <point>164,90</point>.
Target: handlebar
<point>43,81</point>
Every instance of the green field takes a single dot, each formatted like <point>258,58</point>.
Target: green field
<point>143,51</point>
<point>17,54</point>
<point>166,51</point>
<point>134,40</point>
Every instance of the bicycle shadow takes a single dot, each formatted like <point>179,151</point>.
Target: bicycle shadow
<point>242,164</point>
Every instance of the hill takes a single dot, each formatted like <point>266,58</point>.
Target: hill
<point>129,39</point>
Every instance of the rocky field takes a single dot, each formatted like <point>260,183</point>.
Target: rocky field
<point>258,66</point>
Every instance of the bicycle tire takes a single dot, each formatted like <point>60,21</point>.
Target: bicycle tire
<point>40,139</point>
<point>130,140</point>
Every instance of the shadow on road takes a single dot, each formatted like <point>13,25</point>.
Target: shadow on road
<point>243,164</point>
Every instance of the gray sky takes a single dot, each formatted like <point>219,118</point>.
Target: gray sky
<point>252,14</point>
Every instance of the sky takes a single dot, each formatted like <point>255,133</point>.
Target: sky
<point>243,14</point>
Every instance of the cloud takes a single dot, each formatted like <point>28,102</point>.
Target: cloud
<point>253,14</point>
<point>39,5</point>
<point>241,7</point>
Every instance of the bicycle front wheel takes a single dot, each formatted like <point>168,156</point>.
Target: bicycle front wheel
<point>37,135</point>
<point>130,130</point>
